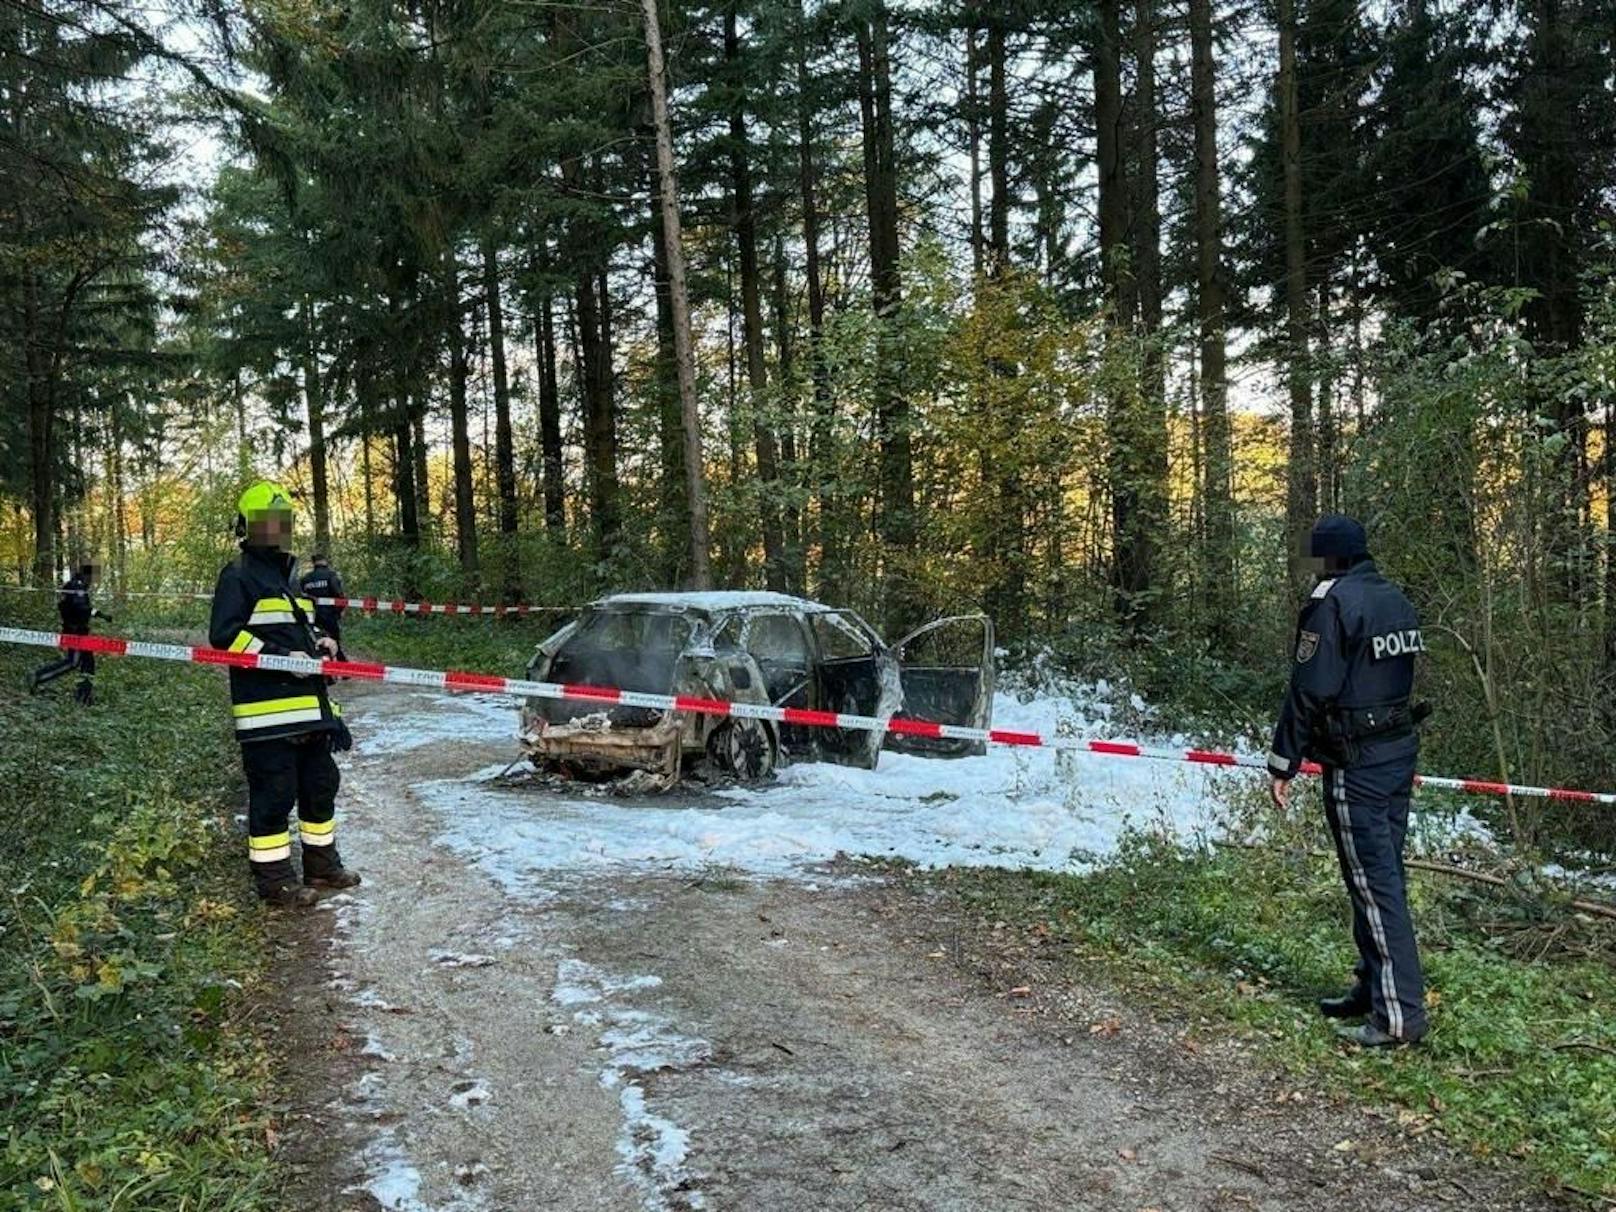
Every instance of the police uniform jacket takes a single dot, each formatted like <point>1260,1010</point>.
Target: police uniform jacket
<point>255,610</point>
<point>73,605</point>
<point>324,583</point>
<point>1356,643</point>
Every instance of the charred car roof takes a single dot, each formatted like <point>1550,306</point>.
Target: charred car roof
<point>712,602</point>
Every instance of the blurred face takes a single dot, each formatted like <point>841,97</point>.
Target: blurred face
<point>272,528</point>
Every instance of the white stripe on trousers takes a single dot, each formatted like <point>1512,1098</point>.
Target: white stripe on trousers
<point>1377,925</point>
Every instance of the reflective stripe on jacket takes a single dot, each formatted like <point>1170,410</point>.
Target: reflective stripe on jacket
<point>254,611</point>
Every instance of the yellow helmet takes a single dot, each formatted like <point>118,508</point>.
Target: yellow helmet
<point>262,498</point>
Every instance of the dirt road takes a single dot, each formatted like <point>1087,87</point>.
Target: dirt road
<point>513,1015</point>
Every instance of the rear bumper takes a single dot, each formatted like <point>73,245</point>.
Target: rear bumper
<point>596,745</point>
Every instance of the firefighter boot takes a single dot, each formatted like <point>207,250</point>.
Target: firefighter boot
<point>322,868</point>
<point>84,693</point>
<point>277,885</point>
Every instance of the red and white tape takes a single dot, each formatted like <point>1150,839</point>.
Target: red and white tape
<point>450,680</point>
<point>369,605</point>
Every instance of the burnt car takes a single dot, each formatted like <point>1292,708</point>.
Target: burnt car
<point>764,648</point>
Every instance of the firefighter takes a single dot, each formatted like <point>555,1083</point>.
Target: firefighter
<point>1349,708</point>
<point>322,581</point>
<point>286,723</point>
<point>76,609</point>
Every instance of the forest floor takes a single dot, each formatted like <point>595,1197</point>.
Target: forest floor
<point>515,1012</point>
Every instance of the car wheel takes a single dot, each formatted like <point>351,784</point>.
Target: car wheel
<point>743,748</point>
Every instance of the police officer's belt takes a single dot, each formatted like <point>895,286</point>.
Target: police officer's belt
<point>1347,728</point>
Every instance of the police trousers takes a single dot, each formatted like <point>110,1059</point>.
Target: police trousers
<point>1367,809</point>
<point>283,773</point>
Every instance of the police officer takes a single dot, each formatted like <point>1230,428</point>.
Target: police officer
<point>322,581</point>
<point>286,722</point>
<point>76,610</point>
<point>1349,709</point>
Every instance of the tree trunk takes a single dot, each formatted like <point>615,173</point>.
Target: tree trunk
<point>821,456</point>
<point>763,435</point>
<point>1150,436</point>
<point>1000,451</point>
<point>555,512</point>
<point>504,443</point>
<point>684,353</point>
<point>1301,497</point>
<point>423,480</point>
<point>1115,274</point>
<point>998,147</point>
<point>41,437</point>
<point>465,487</point>
<point>1126,462</point>
<point>674,504</point>
<point>973,134</point>
<point>409,518</point>
<point>1219,560</point>
<point>796,570</point>
<point>314,401</point>
<point>895,518</point>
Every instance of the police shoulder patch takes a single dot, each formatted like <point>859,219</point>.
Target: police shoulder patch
<point>1307,643</point>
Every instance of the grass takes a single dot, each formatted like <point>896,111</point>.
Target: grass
<point>133,1072</point>
<point>1522,1058</point>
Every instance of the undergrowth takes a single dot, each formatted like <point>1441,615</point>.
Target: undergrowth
<point>132,1067</point>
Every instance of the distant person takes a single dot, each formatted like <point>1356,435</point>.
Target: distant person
<point>1349,709</point>
<point>285,722</point>
<point>76,609</point>
<point>322,581</point>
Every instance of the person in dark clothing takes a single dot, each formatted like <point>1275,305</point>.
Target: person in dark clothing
<point>1349,709</point>
<point>286,723</point>
<point>322,581</point>
<point>74,606</point>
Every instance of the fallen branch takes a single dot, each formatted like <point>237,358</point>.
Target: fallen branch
<point>1597,908</point>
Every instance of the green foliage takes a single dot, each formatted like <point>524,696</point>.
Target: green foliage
<point>130,1075</point>
<point>1521,1061</point>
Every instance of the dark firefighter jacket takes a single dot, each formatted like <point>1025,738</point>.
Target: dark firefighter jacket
<point>73,605</point>
<point>253,611</point>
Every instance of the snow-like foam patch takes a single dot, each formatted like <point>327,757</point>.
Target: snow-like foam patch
<point>637,1042</point>
<point>438,717</point>
<point>1011,807</point>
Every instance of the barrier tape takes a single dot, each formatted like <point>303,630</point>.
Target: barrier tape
<point>369,605</point>
<point>491,683</point>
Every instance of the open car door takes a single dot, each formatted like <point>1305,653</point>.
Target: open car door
<point>947,671</point>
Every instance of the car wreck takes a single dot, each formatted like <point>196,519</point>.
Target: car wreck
<point>763,648</point>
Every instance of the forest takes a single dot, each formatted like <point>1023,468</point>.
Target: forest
<point>1076,313</point>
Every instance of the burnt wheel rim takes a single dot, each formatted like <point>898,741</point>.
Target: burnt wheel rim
<point>746,748</point>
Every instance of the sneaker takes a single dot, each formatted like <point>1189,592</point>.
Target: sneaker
<point>1371,1035</point>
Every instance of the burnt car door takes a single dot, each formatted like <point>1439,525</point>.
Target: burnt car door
<point>857,676</point>
<point>947,670</point>
<point>777,642</point>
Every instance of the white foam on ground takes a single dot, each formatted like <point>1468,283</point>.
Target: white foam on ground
<point>1013,807</point>
<point>437,717</point>
<point>637,1042</point>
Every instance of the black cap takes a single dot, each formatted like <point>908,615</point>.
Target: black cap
<point>320,557</point>
<point>1339,536</point>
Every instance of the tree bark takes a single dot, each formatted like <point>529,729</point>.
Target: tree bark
<point>763,435</point>
<point>1301,497</point>
<point>895,518</point>
<point>504,442</point>
<point>822,454</point>
<point>673,235</point>
<point>1150,437</point>
<point>555,511</point>
<point>465,487</point>
<point>41,437</point>
<point>973,134</point>
<point>1212,321</point>
<point>422,453</point>
<point>998,147</point>
<point>795,554</point>
<point>675,506</point>
<point>1115,273</point>
<point>314,402</point>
